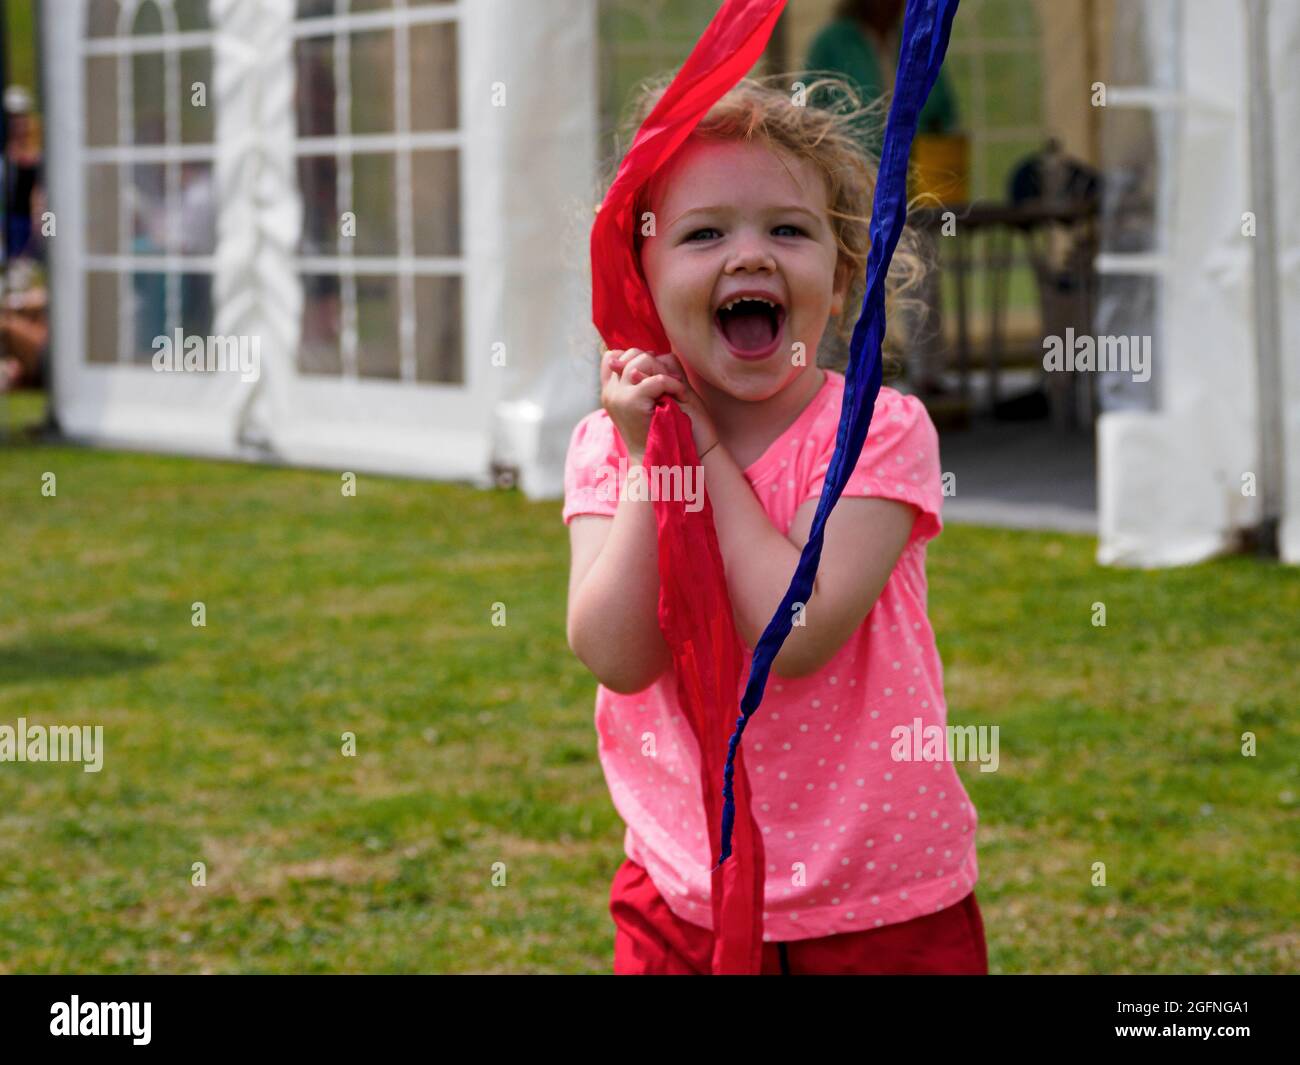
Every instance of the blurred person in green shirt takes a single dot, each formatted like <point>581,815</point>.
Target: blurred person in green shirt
<point>861,44</point>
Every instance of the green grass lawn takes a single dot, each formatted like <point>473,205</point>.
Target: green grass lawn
<point>475,744</point>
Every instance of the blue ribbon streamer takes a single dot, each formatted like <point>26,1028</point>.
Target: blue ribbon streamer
<point>926,28</point>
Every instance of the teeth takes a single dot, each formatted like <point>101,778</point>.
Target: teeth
<point>740,299</point>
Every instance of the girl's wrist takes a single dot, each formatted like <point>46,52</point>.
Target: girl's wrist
<point>711,447</point>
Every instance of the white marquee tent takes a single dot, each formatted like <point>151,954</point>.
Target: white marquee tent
<point>383,194</point>
<point>1202,128</point>
<point>389,195</point>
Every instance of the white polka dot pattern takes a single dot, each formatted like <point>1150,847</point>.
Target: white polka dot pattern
<point>853,839</point>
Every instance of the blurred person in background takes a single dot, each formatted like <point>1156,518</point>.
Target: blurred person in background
<point>24,326</point>
<point>861,43</point>
<point>24,340</point>
<point>198,236</point>
<point>22,169</point>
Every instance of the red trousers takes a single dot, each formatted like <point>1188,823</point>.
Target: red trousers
<point>651,940</point>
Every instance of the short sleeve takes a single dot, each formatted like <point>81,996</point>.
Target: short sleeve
<point>900,460</point>
<point>591,468</point>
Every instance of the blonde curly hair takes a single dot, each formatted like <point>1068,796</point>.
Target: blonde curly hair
<point>822,119</point>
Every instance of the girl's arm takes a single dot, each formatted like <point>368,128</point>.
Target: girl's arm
<point>864,538</point>
<point>613,623</point>
<point>613,615</point>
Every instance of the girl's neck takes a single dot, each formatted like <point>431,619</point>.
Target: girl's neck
<point>748,429</point>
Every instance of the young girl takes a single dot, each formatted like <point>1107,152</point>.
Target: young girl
<point>760,238</point>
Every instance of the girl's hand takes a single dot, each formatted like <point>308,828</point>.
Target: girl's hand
<point>630,383</point>
<point>702,428</point>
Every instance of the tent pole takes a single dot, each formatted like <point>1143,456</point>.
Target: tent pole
<point>1265,287</point>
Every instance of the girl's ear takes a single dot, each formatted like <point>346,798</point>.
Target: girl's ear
<point>841,289</point>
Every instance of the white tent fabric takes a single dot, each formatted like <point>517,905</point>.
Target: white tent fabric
<point>525,152</point>
<point>1173,481</point>
<point>1284,49</point>
<point>1171,455</point>
<point>541,283</point>
<point>259,215</point>
<point>123,403</point>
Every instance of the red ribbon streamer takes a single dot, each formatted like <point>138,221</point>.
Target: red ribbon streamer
<point>696,619</point>
<point>694,609</point>
<point>621,306</point>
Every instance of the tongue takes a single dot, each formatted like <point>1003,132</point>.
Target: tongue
<point>748,330</point>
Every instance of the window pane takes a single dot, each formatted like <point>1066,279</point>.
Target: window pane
<point>1007,18</point>
<point>149,297</point>
<point>378,351</point>
<point>315,8</point>
<point>101,101</point>
<point>101,210</point>
<point>148,209</point>
<point>371,66</point>
<point>196,119</point>
<point>1014,81</point>
<point>192,15</point>
<point>148,19</point>
<point>148,98</point>
<point>101,317</point>
<point>373,202</point>
<point>196,304</point>
<point>314,90</point>
<point>433,77</point>
<point>435,197</point>
<point>1130,192</point>
<point>318,351</point>
<point>198,210</point>
<point>101,18</point>
<point>438,336</point>
<point>371,5</point>
<point>318,180</point>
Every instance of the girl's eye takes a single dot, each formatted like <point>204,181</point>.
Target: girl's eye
<point>795,231</point>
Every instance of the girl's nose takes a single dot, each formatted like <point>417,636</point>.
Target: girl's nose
<point>750,254</point>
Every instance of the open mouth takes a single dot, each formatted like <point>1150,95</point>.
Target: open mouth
<point>750,325</point>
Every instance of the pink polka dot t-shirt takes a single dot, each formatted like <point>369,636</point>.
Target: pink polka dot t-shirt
<point>853,838</point>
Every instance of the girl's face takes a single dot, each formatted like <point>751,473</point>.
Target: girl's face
<point>733,218</point>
